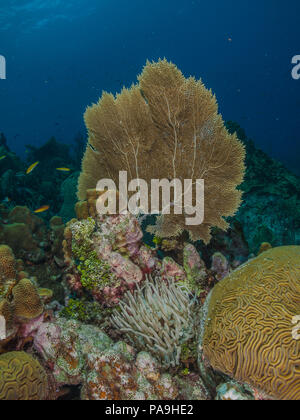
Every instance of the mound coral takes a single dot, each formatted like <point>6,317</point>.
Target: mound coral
<point>21,303</point>
<point>166,127</point>
<point>157,318</point>
<point>22,378</point>
<point>247,330</point>
<point>26,300</point>
<point>7,264</point>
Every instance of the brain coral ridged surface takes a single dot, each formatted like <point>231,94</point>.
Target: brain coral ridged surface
<point>21,378</point>
<point>248,330</point>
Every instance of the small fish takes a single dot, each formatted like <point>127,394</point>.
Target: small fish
<point>42,209</point>
<point>2,157</point>
<point>31,167</point>
<point>93,148</point>
<point>6,200</point>
<point>63,169</point>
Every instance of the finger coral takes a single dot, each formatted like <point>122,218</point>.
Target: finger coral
<point>247,332</point>
<point>21,378</point>
<point>166,127</point>
<point>157,318</point>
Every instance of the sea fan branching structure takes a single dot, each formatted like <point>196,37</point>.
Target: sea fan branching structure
<point>166,127</point>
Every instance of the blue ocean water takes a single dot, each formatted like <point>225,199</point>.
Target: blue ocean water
<point>60,55</point>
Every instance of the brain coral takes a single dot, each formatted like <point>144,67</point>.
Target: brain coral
<point>7,264</point>
<point>248,329</point>
<point>26,300</point>
<point>21,377</point>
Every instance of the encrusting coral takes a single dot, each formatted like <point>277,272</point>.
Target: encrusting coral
<point>106,257</point>
<point>166,127</point>
<point>247,328</point>
<point>158,318</point>
<point>83,354</point>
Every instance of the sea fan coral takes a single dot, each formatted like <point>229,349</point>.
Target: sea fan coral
<point>166,127</point>
<point>158,318</point>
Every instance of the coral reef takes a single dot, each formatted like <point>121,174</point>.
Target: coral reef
<point>83,311</point>
<point>22,378</point>
<point>68,193</point>
<point>106,257</point>
<point>10,164</point>
<point>169,113</point>
<point>192,388</point>
<point>83,354</point>
<point>231,391</point>
<point>139,311</point>
<point>44,186</point>
<point>64,345</point>
<point>270,211</point>
<point>194,266</point>
<point>21,302</point>
<point>111,256</point>
<point>37,244</point>
<point>113,377</point>
<point>246,325</point>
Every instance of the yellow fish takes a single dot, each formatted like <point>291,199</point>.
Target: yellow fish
<point>63,169</point>
<point>2,157</point>
<point>31,167</point>
<point>42,209</point>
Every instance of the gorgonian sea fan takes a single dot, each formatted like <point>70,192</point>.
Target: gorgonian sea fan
<point>166,127</point>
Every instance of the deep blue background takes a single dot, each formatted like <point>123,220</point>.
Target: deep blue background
<point>61,54</point>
